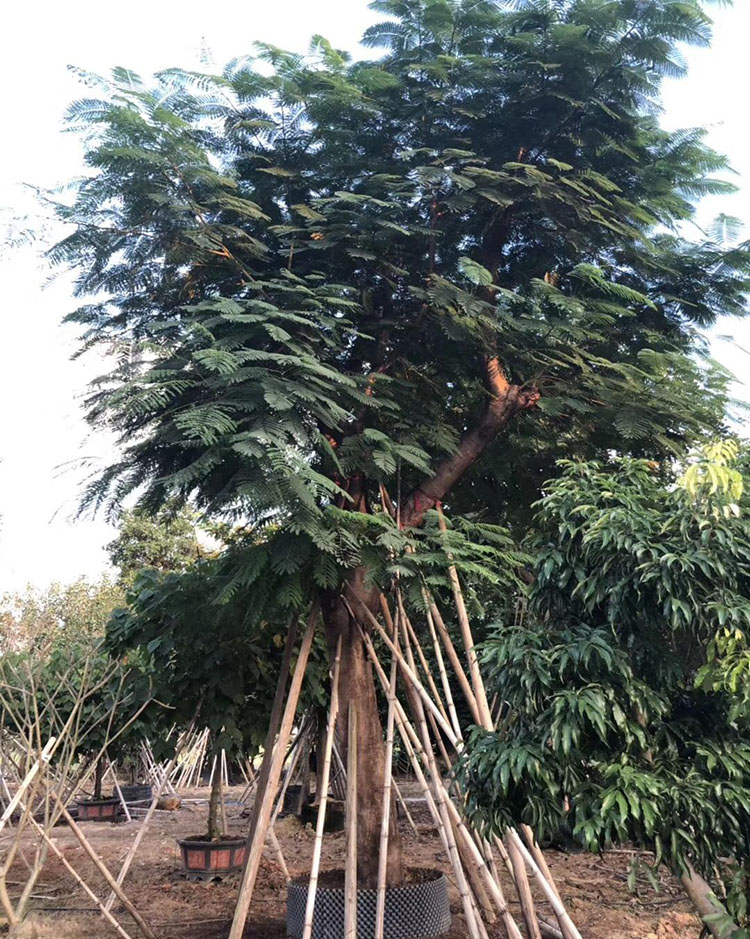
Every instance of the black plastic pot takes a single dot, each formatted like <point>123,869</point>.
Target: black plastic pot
<point>207,859</point>
<point>98,810</point>
<point>412,911</point>
<point>292,798</point>
<point>137,793</point>
<point>335,815</point>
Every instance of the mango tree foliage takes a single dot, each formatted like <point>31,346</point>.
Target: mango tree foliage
<point>626,690</point>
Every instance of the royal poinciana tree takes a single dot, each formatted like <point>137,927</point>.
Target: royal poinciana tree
<point>421,272</point>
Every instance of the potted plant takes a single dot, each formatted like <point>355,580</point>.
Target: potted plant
<point>213,668</point>
<point>215,853</point>
<point>99,808</point>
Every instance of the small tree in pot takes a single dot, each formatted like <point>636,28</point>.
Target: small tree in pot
<point>212,659</point>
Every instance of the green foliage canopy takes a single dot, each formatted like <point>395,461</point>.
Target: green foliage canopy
<point>627,689</point>
<point>310,269</point>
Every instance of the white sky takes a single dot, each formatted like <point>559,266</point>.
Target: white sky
<point>41,427</point>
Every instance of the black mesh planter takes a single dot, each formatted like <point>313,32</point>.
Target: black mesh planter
<point>411,911</point>
<point>138,793</point>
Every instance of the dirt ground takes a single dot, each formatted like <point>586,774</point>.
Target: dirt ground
<point>594,888</point>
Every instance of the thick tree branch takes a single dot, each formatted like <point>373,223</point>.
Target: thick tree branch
<point>506,400</point>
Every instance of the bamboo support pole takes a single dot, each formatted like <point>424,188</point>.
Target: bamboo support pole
<point>498,842</point>
<point>270,779</point>
<point>473,872</point>
<point>296,751</point>
<point>405,807</point>
<point>409,674</point>
<point>468,639</point>
<point>350,874</point>
<point>538,856</point>
<point>567,925</point>
<point>438,794</point>
<point>271,831</point>
<point>27,781</point>
<point>519,874</point>
<point>493,884</point>
<point>385,819</point>
<point>523,888</point>
<point>413,744</point>
<point>438,791</point>
<point>123,803</point>
<point>323,795</point>
<point>444,680</point>
<point>458,669</point>
<point>410,741</point>
<point>104,871</point>
<point>79,880</point>
<point>549,931</point>
<point>413,640</point>
<point>200,761</point>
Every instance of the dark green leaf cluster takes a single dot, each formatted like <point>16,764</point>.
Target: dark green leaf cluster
<point>207,656</point>
<point>301,267</point>
<point>167,541</point>
<point>624,721</point>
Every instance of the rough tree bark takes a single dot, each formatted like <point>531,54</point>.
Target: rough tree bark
<point>215,832</point>
<point>356,683</point>
<point>98,779</point>
<point>703,899</point>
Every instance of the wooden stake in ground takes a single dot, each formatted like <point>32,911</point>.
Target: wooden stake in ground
<point>386,819</point>
<point>79,880</point>
<point>265,798</point>
<point>350,874</point>
<point>323,795</point>
<point>28,779</point>
<point>104,871</point>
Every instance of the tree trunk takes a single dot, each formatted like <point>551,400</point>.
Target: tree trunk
<point>214,828</point>
<point>703,899</point>
<point>98,778</point>
<point>357,684</point>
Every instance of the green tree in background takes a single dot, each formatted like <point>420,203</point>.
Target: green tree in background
<point>75,612</point>
<point>627,690</point>
<point>210,663</point>
<point>434,272</point>
<point>166,540</point>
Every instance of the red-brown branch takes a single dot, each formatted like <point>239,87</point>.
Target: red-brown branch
<point>505,401</point>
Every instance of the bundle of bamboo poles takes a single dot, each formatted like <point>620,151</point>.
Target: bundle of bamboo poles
<point>427,723</point>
